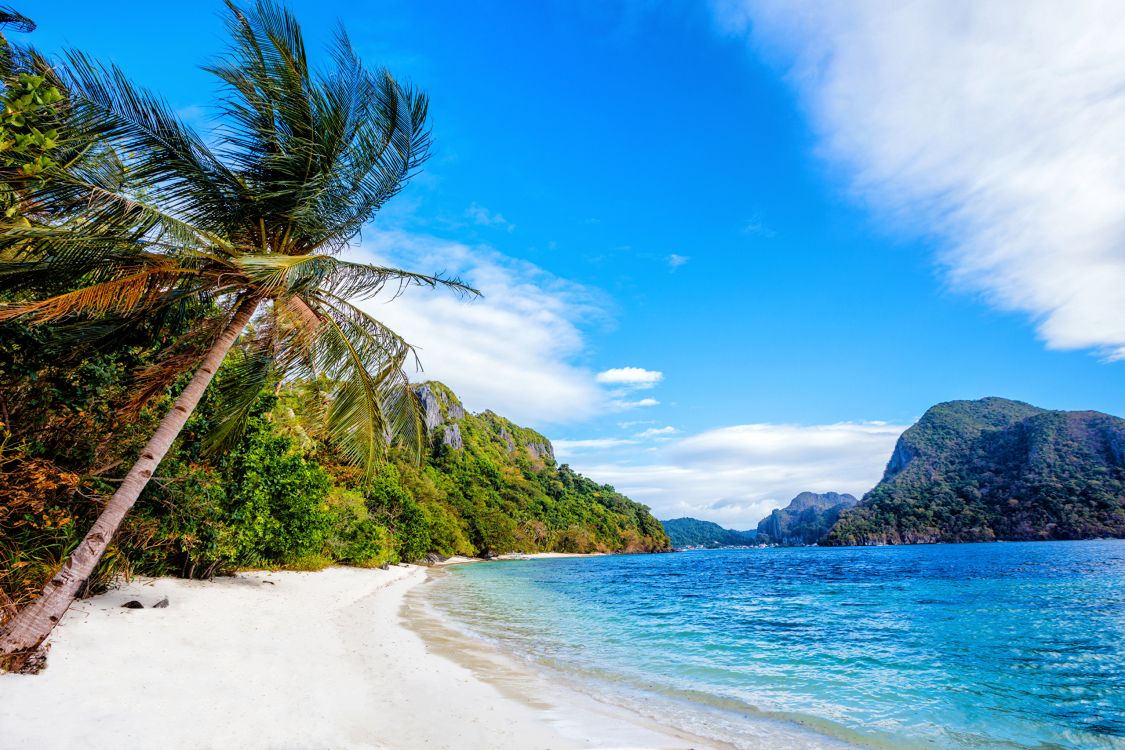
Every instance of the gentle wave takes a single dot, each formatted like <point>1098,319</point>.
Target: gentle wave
<point>950,646</point>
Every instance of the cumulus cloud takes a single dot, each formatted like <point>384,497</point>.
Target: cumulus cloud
<point>512,350</point>
<point>630,377</point>
<point>996,126</point>
<point>736,475</point>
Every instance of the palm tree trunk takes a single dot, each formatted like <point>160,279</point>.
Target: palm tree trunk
<point>31,626</point>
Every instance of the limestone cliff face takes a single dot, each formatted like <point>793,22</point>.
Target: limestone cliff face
<point>441,409</point>
<point>806,519</point>
<point>439,405</point>
<point>444,416</point>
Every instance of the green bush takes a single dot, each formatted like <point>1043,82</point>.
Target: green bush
<point>355,538</point>
<point>276,498</point>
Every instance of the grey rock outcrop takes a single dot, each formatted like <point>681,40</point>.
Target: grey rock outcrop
<point>451,436</point>
<point>431,407</point>
<point>542,451</point>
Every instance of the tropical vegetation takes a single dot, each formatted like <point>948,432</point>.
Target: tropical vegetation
<point>122,216</point>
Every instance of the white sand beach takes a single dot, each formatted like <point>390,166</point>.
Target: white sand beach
<point>285,660</point>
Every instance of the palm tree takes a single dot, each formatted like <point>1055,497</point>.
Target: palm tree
<point>248,225</point>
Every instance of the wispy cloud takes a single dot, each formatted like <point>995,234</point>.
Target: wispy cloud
<point>737,475</point>
<point>635,423</point>
<point>756,225</point>
<point>620,404</point>
<point>995,127</point>
<point>564,449</point>
<point>675,261</point>
<point>656,432</point>
<point>478,214</point>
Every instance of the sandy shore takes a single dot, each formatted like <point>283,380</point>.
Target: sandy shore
<point>288,660</point>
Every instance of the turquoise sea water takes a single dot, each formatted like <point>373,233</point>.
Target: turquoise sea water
<point>1016,645</point>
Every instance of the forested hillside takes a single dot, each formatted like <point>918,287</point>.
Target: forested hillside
<point>279,496</point>
<point>996,469</point>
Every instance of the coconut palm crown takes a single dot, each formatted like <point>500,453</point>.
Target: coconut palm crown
<point>249,223</point>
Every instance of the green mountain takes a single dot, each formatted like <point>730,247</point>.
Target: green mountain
<point>806,519</point>
<point>503,483</point>
<point>993,469</point>
<point>691,532</point>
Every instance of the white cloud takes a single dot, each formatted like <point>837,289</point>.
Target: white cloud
<point>622,404</point>
<point>513,350</point>
<point>630,377</point>
<point>675,261</point>
<point>481,215</point>
<point>656,432</point>
<point>737,475</point>
<point>567,448</point>
<point>996,125</point>
<point>635,423</point>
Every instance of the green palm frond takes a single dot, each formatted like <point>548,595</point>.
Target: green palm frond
<point>143,221</point>
<point>298,274</point>
<point>365,362</point>
<point>165,158</point>
<point>244,376</point>
<point>321,152</point>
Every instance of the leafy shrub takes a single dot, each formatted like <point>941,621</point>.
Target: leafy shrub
<point>276,498</point>
<point>355,538</point>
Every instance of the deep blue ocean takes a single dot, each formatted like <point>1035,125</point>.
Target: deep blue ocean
<point>1008,645</point>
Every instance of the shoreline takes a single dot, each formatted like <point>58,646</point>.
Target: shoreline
<point>564,702</point>
<point>493,662</point>
<point>290,660</point>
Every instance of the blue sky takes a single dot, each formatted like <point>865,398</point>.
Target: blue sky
<point>796,228</point>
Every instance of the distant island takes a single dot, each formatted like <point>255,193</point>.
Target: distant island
<point>806,519</point>
<point>691,532</point>
<point>995,469</point>
<point>968,471</point>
